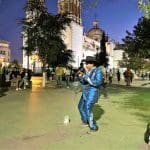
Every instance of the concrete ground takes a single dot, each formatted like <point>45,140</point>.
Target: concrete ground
<point>32,119</point>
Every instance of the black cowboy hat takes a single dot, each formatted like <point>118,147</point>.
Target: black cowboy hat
<point>90,59</point>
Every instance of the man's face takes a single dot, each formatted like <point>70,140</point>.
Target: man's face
<point>89,66</point>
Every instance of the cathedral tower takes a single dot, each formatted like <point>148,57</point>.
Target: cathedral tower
<point>72,7</point>
<point>73,35</point>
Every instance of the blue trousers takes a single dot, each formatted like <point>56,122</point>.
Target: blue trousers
<point>86,103</point>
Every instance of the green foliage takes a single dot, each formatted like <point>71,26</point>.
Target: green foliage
<point>144,5</point>
<point>31,5</point>
<point>124,62</point>
<point>44,34</point>
<point>15,63</point>
<point>132,62</point>
<point>49,41</point>
<point>61,58</point>
<point>136,64</point>
<point>137,44</point>
<point>146,66</point>
<point>102,55</point>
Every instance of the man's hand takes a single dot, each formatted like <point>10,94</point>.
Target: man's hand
<point>80,74</point>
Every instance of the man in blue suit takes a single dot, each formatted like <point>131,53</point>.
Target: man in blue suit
<point>92,81</point>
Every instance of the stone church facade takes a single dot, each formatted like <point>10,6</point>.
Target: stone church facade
<point>82,44</point>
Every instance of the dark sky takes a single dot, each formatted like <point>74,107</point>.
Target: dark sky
<point>114,16</point>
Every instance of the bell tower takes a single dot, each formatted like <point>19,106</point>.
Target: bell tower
<point>73,34</point>
<point>72,7</point>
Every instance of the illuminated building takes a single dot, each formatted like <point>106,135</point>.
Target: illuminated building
<point>4,52</point>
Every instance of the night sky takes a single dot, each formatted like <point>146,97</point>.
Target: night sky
<point>114,16</point>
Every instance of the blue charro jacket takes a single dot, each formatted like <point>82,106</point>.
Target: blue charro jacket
<point>92,82</point>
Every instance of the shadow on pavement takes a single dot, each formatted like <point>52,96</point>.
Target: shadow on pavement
<point>97,112</point>
<point>3,91</point>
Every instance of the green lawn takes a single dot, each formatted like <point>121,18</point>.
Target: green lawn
<point>137,98</point>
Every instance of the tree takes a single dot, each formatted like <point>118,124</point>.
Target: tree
<point>50,42</point>
<point>124,62</point>
<point>144,5</point>
<point>137,44</point>
<point>33,9</point>
<point>142,36</point>
<point>15,63</point>
<point>102,55</point>
<point>43,32</point>
<point>146,65</point>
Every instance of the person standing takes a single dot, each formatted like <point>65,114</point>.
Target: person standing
<point>128,75</point>
<point>110,76</point>
<point>67,76</point>
<point>92,81</point>
<point>59,73</point>
<point>52,73</point>
<point>118,76</point>
<point>24,79</point>
<point>132,76</point>
<point>48,73</point>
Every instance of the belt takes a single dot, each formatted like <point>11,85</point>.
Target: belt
<point>88,85</point>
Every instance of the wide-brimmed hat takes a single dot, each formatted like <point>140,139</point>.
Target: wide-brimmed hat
<point>90,59</point>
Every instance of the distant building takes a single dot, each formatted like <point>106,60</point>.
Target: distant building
<point>4,52</point>
<point>95,32</point>
<point>118,55</point>
<point>90,47</point>
<point>82,44</point>
<point>110,45</point>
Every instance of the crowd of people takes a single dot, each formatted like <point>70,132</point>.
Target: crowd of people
<point>20,78</point>
<point>15,77</point>
<point>68,74</point>
<point>61,73</point>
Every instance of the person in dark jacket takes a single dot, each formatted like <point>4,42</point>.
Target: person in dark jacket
<point>118,76</point>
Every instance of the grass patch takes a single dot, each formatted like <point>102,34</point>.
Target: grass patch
<point>141,102</point>
<point>135,98</point>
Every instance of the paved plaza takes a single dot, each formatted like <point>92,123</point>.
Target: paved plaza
<point>32,119</point>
